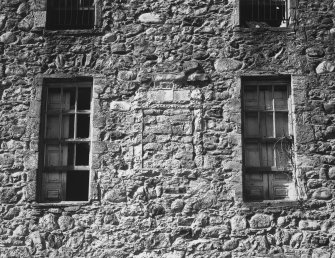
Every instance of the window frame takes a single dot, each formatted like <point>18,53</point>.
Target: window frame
<point>251,81</point>
<point>290,12</point>
<point>41,14</point>
<point>36,113</point>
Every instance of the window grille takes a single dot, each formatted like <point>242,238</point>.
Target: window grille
<point>267,145</point>
<point>272,12</point>
<point>70,14</point>
<point>66,141</point>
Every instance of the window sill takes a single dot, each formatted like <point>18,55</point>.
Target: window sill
<point>272,204</point>
<point>60,204</point>
<point>274,29</point>
<point>47,32</point>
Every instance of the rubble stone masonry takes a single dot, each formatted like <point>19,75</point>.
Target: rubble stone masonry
<point>166,151</point>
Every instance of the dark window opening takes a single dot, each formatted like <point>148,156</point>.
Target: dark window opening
<point>267,141</point>
<point>70,14</point>
<point>258,13</point>
<point>77,185</point>
<point>83,129</point>
<point>66,141</point>
<point>82,154</point>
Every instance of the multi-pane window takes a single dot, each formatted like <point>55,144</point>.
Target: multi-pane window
<point>66,141</point>
<point>273,13</point>
<point>267,140</point>
<point>70,14</point>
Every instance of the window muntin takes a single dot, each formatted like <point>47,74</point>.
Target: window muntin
<point>66,141</point>
<point>70,14</point>
<point>267,144</point>
<point>273,13</point>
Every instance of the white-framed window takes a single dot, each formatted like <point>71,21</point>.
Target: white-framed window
<point>267,139</point>
<point>66,140</point>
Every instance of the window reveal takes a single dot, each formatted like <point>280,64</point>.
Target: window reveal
<point>266,140</point>
<point>70,14</point>
<point>66,141</point>
<point>272,12</point>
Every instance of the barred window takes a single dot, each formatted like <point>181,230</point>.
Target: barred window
<point>70,14</point>
<point>66,141</point>
<point>267,141</point>
<point>257,13</point>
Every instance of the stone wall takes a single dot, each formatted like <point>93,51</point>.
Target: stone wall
<point>166,172</point>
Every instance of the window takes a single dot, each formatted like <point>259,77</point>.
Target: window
<point>66,141</point>
<point>267,139</point>
<point>257,13</point>
<point>70,14</point>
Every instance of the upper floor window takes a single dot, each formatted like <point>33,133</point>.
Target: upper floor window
<point>66,141</point>
<point>258,13</point>
<point>70,14</point>
<point>267,140</point>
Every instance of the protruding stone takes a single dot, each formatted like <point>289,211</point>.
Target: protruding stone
<point>119,48</point>
<point>65,222</point>
<point>190,66</point>
<point>150,18</point>
<point>315,52</point>
<point>116,195</point>
<point>238,223</point>
<point>48,222</point>
<point>198,77</point>
<point>325,67</point>
<point>177,205</point>
<point>109,37</point>
<point>226,65</point>
<point>309,225</point>
<point>169,77</point>
<point>322,194</point>
<point>331,173</point>
<point>8,37</point>
<point>329,107</point>
<point>120,105</point>
<point>6,160</point>
<point>260,221</point>
<point>230,245</point>
<point>37,240</point>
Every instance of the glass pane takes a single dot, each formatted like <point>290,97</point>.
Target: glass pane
<point>82,154</point>
<point>280,97</point>
<point>69,98</point>
<point>84,98</point>
<point>53,130</point>
<point>77,185</point>
<point>252,155</point>
<point>251,126</point>
<point>250,97</point>
<point>54,99</point>
<point>267,153</point>
<point>281,124</point>
<point>68,126</point>
<point>266,124</point>
<point>265,97</point>
<point>83,126</point>
<point>70,154</point>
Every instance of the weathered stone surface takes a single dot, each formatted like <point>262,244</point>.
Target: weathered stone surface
<point>260,221</point>
<point>120,105</point>
<point>238,223</point>
<point>226,65</point>
<point>65,222</point>
<point>109,38</point>
<point>8,37</point>
<point>322,194</point>
<point>150,18</point>
<point>309,225</point>
<point>48,222</point>
<point>325,67</point>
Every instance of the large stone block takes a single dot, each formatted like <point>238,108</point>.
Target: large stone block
<point>260,221</point>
